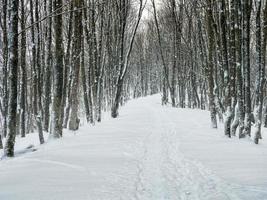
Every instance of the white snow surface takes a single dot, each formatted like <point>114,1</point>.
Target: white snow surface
<point>150,152</point>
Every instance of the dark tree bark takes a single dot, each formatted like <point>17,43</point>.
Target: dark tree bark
<point>47,89</point>
<point>227,91</point>
<point>56,126</point>
<point>264,45</point>
<point>23,88</point>
<point>89,72</point>
<point>5,66</point>
<point>37,79</point>
<point>210,70</point>
<point>13,70</point>
<point>166,84</point>
<point>67,80</point>
<point>84,84</point>
<point>246,64</point>
<point>260,74</point>
<point>124,61</point>
<point>78,32</point>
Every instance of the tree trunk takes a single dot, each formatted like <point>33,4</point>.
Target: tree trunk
<point>47,89</point>
<point>84,84</point>
<point>210,65</point>
<point>228,119</point>
<point>5,67</point>
<point>260,73</point>
<point>78,31</point>
<point>23,88</point>
<point>124,62</point>
<point>37,75</point>
<point>13,69</point>
<point>56,124</point>
<point>246,64</point>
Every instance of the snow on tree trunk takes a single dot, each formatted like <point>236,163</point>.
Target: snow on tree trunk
<point>236,120</point>
<point>23,88</point>
<point>124,60</point>
<point>5,65</point>
<point>13,70</point>
<point>56,122</point>
<point>225,62</point>
<point>260,73</point>
<point>246,65</point>
<point>74,121</point>
<point>47,89</point>
<point>210,65</point>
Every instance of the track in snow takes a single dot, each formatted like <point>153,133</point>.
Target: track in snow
<point>165,174</point>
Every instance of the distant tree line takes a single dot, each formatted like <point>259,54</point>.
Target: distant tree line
<point>212,56</point>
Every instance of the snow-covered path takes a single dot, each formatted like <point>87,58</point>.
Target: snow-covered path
<point>149,153</point>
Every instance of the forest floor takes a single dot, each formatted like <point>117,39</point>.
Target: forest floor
<point>149,153</point>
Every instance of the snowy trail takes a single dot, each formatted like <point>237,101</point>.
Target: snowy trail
<point>149,153</point>
<point>165,173</point>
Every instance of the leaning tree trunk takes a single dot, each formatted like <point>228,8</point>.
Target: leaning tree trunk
<point>13,68</point>
<point>124,62</point>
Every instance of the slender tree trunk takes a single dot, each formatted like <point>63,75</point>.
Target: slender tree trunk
<point>175,46</point>
<point>246,58</point>
<point>13,69</point>
<point>78,32</point>
<point>260,75</point>
<point>264,54</point>
<point>47,89</point>
<point>232,68</point>
<point>84,84</point>
<point>228,119</point>
<point>89,72</point>
<point>23,89</point>
<point>56,125</point>
<point>124,61</point>
<point>5,67</point>
<point>37,75</point>
<point>166,84</point>
<point>67,80</point>
<point>1,142</point>
<point>210,65</point>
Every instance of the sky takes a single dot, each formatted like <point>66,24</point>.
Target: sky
<point>149,10</point>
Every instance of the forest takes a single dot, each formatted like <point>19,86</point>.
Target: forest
<point>133,99</point>
<point>65,60</point>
